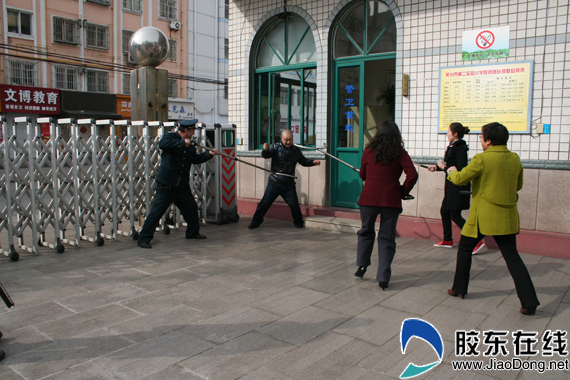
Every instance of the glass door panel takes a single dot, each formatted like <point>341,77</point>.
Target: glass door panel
<point>379,96</point>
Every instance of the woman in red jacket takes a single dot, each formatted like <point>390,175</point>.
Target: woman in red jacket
<point>383,161</point>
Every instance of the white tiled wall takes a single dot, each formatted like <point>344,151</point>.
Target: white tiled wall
<point>429,37</point>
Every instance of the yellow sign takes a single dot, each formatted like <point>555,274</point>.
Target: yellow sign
<point>475,95</point>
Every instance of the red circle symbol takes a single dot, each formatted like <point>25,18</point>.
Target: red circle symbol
<point>485,39</point>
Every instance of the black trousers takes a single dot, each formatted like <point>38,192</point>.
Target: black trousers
<point>446,217</point>
<point>508,246</point>
<point>386,239</point>
<point>163,198</point>
<point>289,194</point>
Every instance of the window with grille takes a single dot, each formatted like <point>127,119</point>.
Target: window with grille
<point>226,90</point>
<point>127,84</point>
<point>226,48</point>
<point>172,51</point>
<point>167,9</point>
<point>65,30</point>
<point>172,88</point>
<point>22,73</point>
<point>97,81</point>
<point>66,77</point>
<point>97,36</point>
<point>19,22</point>
<point>102,2</point>
<point>127,34</point>
<point>227,11</point>
<point>132,5</point>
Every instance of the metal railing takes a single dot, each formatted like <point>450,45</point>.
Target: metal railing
<point>96,184</point>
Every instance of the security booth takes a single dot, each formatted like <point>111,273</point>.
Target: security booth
<point>219,177</point>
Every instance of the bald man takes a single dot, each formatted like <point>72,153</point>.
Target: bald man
<point>284,157</point>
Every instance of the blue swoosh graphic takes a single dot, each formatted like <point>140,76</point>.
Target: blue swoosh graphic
<point>418,328</point>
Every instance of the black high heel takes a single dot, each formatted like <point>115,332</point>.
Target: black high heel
<point>455,294</point>
<point>383,285</point>
<point>360,272</point>
<point>529,310</point>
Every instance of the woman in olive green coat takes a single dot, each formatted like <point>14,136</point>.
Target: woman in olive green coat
<point>496,176</point>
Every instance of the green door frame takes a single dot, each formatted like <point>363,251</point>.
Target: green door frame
<point>303,68</point>
<point>335,150</point>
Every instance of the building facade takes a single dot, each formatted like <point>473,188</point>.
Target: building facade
<point>331,70</point>
<point>83,46</point>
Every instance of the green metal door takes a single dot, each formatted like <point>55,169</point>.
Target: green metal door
<point>346,136</point>
<point>363,97</point>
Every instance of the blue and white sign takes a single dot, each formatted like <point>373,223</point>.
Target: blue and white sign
<point>179,110</point>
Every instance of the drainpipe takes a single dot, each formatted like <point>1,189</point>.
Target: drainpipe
<point>44,19</point>
<point>82,36</point>
<point>216,59</point>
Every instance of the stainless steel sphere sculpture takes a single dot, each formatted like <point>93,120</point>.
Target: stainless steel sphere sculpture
<point>148,46</point>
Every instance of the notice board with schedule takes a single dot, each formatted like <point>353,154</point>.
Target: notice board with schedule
<point>475,95</point>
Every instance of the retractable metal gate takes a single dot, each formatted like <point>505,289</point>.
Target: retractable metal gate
<point>91,183</point>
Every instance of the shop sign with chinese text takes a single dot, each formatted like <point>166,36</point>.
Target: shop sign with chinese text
<point>22,99</point>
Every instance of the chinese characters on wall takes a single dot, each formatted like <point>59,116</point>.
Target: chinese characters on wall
<point>21,99</point>
<point>475,95</point>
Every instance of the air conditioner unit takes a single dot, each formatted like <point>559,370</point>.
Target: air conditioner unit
<point>175,25</point>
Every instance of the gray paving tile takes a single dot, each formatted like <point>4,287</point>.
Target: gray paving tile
<point>166,280</point>
<point>290,300</point>
<point>233,298</point>
<point>229,325</point>
<point>7,373</point>
<point>85,371</point>
<point>22,340</point>
<point>173,372</point>
<point>237,357</point>
<point>325,357</point>
<point>158,323</point>
<point>376,325</point>
<point>29,297</point>
<point>304,325</point>
<point>355,299</point>
<point>414,300</point>
<point>149,357</point>
<point>81,323</point>
<point>102,297</point>
<point>112,279</point>
<point>65,353</point>
<point>17,318</point>
<point>150,302</point>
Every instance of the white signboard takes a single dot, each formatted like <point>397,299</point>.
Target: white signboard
<point>180,110</point>
<point>486,43</point>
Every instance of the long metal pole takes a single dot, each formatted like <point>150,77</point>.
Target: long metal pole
<point>406,197</point>
<point>243,162</point>
<point>330,155</point>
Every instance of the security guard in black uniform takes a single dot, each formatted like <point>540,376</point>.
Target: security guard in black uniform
<point>173,182</point>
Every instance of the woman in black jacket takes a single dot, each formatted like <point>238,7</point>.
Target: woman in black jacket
<point>456,198</point>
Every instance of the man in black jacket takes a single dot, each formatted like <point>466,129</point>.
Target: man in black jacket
<point>173,182</point>
<point>284,157</point>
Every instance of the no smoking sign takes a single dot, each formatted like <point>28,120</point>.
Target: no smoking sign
<point>485,39</point>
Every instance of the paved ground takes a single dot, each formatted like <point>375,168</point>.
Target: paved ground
<point>272,303</point>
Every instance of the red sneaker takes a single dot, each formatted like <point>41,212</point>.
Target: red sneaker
<point>444,244</point>
<point>479,247</point>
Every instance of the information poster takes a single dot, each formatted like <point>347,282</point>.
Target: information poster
<point>475,95</point>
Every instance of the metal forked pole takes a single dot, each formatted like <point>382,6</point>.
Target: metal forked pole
<point>330,155</point>
<point>243,162</point>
